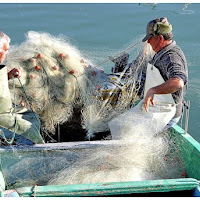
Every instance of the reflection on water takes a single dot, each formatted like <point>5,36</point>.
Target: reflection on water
<point>153,5</point>
<point>186,9</point>
<point>182,11</point>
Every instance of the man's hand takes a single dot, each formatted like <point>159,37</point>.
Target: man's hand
<point>148,98</point>
<point>16,73</point>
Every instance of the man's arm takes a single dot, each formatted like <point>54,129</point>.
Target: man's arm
<point>170,86</point>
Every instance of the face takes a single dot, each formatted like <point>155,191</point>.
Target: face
<point>155,42</point>
<point>4,52</point>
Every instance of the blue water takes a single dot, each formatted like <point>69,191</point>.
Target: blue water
<point>111,26</point>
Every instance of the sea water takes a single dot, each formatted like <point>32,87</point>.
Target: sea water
<point>100,30</point>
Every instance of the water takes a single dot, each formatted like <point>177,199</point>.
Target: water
<point>109,27</point>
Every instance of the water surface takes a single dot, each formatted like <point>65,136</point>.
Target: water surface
<point>109,27</point>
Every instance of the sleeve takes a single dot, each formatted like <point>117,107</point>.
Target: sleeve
<point>176,69</point>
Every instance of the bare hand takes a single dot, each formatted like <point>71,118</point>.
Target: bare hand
<point>16,73</point>
<point>148,98</point>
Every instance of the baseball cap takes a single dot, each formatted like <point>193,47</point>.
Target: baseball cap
<point>159,26</point>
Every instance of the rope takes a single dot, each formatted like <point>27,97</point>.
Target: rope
<point>120,53</point>
<point>187,115</point>
<point>34,191</point>
<point>58,132</point>
<point>108,60</point>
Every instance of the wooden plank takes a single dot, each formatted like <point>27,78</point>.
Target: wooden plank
<point>62,146</point>
<point>108,189</point>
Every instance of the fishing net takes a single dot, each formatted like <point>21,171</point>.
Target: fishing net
<point>51,70</point>
<point>139,156</point>
<point>56,78</point>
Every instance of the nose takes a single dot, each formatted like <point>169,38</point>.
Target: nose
<point>149,40</point>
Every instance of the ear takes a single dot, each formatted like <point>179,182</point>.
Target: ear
<point>161,38</point>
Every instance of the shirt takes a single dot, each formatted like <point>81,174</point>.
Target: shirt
<point>171,63</point>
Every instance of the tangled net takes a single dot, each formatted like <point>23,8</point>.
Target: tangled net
<point>51,69</point>
<point>56,78</point>
<point>140,155</point>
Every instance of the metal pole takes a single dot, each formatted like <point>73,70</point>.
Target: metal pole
<point>187,116</point>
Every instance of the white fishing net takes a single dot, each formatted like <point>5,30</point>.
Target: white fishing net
<point>139,156</point>
<point>51,70</point>
<point>56,78</point>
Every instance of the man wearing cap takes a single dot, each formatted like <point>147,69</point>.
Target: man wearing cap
<point>171,63</point>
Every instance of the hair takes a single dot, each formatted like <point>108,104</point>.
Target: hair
<point>3,39</point>
<point>168,36</point>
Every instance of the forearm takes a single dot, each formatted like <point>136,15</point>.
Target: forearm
<point>170,86</point>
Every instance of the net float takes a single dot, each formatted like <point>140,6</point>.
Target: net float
<point>22,103</point>
<point>32,60</point>
<point>98,87</point>
<point>55,67</point>
<point>94,73</point>
<point>72,71</point>
<point>31,76</point>
<point>183,174</point>
<point>37,67</point>
<point>82,61</point>
<point>39,56</point>
<point>61,55</point>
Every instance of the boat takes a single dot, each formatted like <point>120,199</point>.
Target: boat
<point>189,150</point>
<point>40,161</point>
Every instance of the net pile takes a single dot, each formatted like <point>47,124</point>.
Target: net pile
<point>51,70</point>
<point>56,77</point>
<point>139,156</point>
<point>145,152</point>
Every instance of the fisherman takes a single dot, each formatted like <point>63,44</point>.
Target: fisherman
<point>20,120</point>
<point>169,59</point>
<point>6,103</point>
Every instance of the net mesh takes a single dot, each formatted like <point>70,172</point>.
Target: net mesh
<point>144,158</point>
<point>56,78</point>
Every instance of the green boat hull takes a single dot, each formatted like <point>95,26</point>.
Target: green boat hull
<point>189,150</point>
